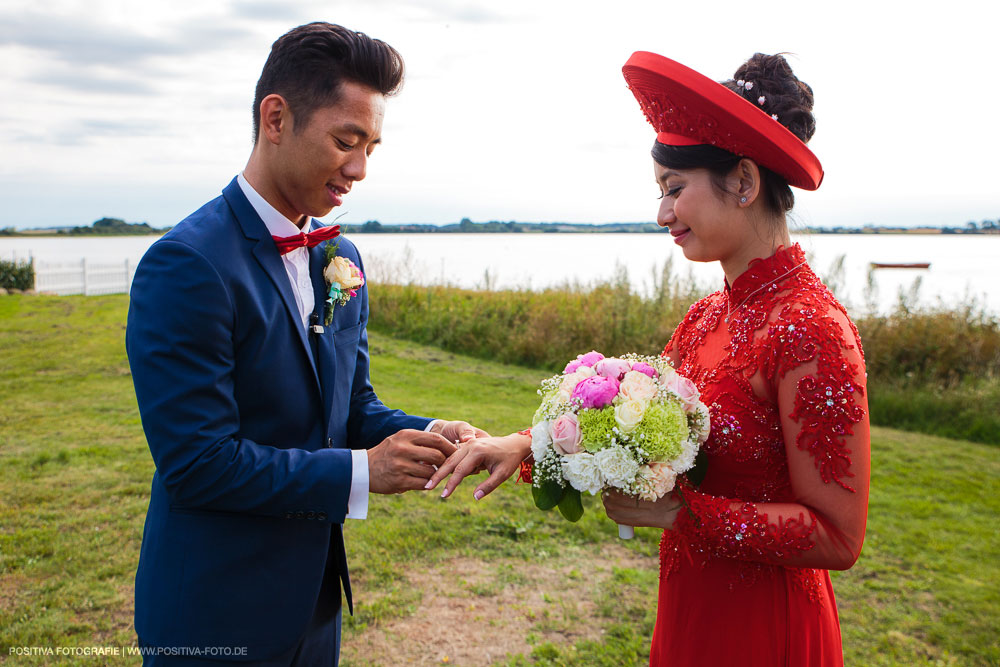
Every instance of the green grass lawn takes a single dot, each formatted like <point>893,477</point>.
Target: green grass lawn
<point>75,473</point>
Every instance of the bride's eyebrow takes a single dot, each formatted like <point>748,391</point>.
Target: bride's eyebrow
<point>666,175</point>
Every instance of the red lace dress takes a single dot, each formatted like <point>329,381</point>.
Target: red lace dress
<point>744,581</point>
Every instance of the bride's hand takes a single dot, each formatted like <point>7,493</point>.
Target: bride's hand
<point>501,456</point>
<point>632,511</point>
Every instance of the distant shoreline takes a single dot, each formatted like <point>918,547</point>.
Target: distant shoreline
<point>467,227</point>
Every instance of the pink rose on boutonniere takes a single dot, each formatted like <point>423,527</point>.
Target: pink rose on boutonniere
<point>343,280</point>
<point>596,391</point>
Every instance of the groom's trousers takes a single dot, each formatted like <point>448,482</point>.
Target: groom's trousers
<point>319,647</point>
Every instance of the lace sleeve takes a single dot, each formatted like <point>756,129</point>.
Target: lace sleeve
<point>819,381</point>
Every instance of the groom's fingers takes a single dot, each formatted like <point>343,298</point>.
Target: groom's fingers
<point>405,460</point>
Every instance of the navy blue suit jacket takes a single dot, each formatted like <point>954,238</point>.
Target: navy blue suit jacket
<point>250,421</point>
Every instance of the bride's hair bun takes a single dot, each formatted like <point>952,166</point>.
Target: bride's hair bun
<point>768,82</point>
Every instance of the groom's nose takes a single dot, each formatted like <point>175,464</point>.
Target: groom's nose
<point>356,167</point>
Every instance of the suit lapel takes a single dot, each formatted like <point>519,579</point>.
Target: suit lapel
<point>325,358</point>
<point>266,254</point>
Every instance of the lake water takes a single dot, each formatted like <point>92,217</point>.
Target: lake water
<point>962,267</point>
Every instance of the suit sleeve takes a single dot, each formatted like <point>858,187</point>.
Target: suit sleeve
<point>371,421</point>
<point>180,347</point>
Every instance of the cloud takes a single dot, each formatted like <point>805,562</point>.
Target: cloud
<point>94,82</point>
<point>83,131</point>
<point>106,57</point>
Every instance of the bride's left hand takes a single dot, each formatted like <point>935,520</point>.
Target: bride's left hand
<point>501,456</point>
<point>632,511</point>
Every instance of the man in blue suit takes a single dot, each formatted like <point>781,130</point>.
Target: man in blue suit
<point>254,391</point>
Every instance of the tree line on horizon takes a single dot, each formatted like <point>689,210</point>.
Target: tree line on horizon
<point>118,227</point>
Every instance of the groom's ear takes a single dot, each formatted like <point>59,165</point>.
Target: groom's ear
<point>275,118</point>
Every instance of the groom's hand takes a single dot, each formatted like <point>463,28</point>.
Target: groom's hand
<point>458,431</point>
<point>406,460</point>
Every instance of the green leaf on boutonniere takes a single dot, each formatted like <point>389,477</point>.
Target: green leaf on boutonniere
<point>571,506</point>
<point>547,495</point>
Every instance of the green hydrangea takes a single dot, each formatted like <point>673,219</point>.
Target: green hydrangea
<point>596,427</point>
<point>662,430</point>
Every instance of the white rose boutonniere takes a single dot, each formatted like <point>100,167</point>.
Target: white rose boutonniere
<point>343,280</point>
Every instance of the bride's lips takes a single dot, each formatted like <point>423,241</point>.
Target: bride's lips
<point>336,194</point>
<point>679,235</point>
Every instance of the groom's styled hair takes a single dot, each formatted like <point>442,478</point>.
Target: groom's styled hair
<point>308,64</point>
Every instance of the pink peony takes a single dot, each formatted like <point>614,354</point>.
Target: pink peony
<point>596,392</point>
<point>572,366</point>
<point>685,389</point>
<point>590,358</point>
<point>612,368</point>
<point>566,435</point>
<point>645,368</point>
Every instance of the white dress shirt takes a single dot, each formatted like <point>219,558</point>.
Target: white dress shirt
<point>297,267</point>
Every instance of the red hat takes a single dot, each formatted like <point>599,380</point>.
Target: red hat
<point>687,109</point>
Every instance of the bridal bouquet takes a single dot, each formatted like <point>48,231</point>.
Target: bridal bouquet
<point>630,423</point>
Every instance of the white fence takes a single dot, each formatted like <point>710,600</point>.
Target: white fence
<point>83,277</point>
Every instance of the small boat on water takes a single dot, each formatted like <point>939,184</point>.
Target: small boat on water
<point>901,265</point>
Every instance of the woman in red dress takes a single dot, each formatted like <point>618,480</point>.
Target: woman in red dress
<point>744,558</point>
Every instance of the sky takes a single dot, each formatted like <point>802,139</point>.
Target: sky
<point>511,110</point>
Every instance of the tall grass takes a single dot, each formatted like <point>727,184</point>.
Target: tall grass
<point>933,370</point>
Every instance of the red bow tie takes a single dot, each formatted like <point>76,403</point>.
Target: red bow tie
<point>308,240</point>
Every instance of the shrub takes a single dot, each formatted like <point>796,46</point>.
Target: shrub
<point>17,275</point>
<point>934,370</point>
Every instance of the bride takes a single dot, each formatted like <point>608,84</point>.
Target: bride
<point>744,574</point>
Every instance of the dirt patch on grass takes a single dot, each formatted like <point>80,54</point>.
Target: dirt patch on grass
<point>478,611</point>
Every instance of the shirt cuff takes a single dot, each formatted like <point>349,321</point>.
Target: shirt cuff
<point>357,502</point>
<point>428,428</point>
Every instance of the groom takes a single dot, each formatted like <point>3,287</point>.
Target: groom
<point>254,391</point>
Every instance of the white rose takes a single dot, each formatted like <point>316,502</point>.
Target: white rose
<point>540,440</point>
<point>569,383</point>
<point>582,473</point>
<point>586,372</point>
<point>617,467</point>
<point>629,413</point>
<point>637,386</point>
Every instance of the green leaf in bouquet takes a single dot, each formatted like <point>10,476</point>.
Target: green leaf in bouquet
<point>571,506</point>
<point>547,495</point>
<point>696,475</point>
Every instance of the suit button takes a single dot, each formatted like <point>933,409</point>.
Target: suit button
<point>300,515</point>
<point>329,442</point>
<point>321,516</point>
<point>310,514</point>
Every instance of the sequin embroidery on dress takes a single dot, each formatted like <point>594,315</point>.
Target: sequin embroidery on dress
<point>736,345</point>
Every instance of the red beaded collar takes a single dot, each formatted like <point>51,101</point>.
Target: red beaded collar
<point>764,270</point>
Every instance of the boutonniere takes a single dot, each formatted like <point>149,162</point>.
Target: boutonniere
<point>343,280</point>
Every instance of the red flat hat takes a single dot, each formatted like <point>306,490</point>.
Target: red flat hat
<point>687,109</point>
